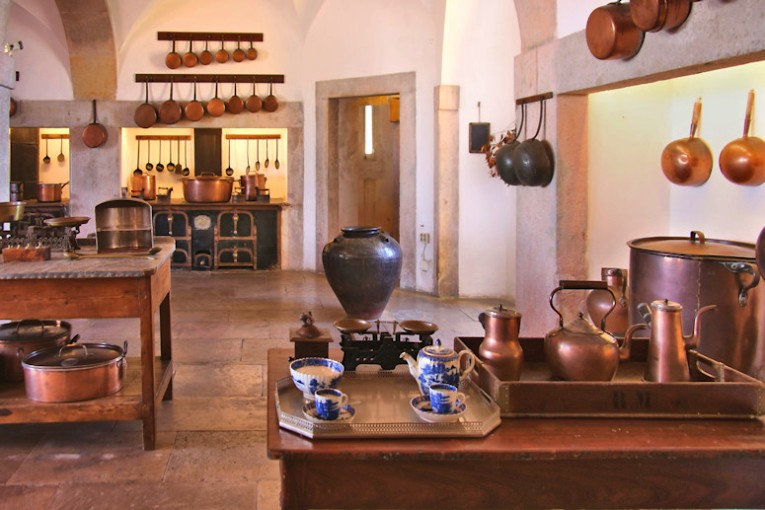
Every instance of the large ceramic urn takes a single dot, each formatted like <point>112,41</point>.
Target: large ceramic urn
<point>363,266</point>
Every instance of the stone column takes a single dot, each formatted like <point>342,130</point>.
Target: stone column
<point>447,102</point>
<point>7,83</point>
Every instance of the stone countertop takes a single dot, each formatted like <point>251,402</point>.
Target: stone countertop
<point>207,206</point>
<point>61,267</point>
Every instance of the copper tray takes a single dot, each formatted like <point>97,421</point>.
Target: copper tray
<point>716,391</point>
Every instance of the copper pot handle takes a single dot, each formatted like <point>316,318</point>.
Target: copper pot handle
<point>698,234</point>
<point>583,285</point>
<point>743,290</point>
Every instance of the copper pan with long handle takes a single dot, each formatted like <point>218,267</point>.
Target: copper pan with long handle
<point>742,161</point>
<point>170,111</point>
<point>194,110</point>
<point>688,161</point>
<point>145,115</point>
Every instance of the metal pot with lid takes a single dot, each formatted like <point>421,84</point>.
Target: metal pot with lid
<point>17,339</point>
<point>695,272</point>
<point>74,373</point>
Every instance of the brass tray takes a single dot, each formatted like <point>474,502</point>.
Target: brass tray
<point>381,400</point>
<point>716,391</point>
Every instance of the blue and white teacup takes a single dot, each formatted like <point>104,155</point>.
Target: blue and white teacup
<point>445,398</point>
<point>329,402</point>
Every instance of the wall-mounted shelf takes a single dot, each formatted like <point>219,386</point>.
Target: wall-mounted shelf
<point>48,136</point>
<point>253,137</point>
<point>163,137</point>
<point>534,99</point>
<point>209,78</point>
<point>210,36</point>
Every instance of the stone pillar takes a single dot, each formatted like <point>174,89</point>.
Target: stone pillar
<point>7,83</point>
<point>447,102</point>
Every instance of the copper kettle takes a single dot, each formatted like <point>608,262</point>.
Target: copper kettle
<point>667,359</point>
<point>579,350</point>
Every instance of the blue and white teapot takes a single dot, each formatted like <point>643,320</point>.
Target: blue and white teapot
<point>438,364</point>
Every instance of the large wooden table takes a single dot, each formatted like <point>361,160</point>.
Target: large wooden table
<point>96,288</point>
<point>527,463</point>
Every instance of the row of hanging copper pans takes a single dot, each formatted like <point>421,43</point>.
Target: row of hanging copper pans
<point>174,60</point>
<point>171,111</point>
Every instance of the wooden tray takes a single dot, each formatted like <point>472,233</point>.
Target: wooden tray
<point>717,390</point>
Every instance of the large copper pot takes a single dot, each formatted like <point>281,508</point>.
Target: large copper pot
<point>207,188</point>
<point>50,192</point>
<point>696,272</point>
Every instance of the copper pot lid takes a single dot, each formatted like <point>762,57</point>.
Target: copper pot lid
<point>697,246</point>
<point>78,356</point>
<point>500,312</point>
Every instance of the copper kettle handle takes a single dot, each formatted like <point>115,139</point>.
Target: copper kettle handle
<point>583,285</point>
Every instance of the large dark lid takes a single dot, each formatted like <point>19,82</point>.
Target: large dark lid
<point>696,246</point>
<point>34,330</point>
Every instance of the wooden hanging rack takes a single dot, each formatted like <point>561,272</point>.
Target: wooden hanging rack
<point>162,137</point>
<point>253,137</point>
<point>210,36</point>
<point>534,99</point>
<point>47,136</point>
<point>209,78</point>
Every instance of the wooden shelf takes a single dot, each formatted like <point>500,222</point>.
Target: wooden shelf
<point>253,137</point>
<point>210,36</point>
<point>48,136</point>
<point>208,78</point>
<point>123,405</point>
<point>163,137</point>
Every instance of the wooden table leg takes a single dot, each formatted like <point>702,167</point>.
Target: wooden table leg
<point>165,340</point>
<point>148,401</point>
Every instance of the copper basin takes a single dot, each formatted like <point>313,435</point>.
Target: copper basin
<point>207,188</point>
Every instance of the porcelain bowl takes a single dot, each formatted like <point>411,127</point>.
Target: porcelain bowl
<point>311,374</point>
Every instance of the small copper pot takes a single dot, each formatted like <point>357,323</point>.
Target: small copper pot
<point>611,33</point>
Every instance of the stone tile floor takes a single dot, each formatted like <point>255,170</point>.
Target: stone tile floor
<point>211,449</point>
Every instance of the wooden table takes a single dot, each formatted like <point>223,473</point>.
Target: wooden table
<point>96,288</point>
<point>527,463</point>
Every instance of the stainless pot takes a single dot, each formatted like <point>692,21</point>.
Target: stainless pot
<point>124,225</point>
<point>696,272</point>
<point>207,188</point>
<point>74,373</point>
<point>17,339</point>
<point>47,192</point>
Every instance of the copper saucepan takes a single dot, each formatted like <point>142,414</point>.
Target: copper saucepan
<point>655,15</point>
<point>95,134</point>
<point>145,115</point>
<point>742,161</point>
<point>216,106</point>
<point>190,58</point>
<point>170,111</point>
<point>235,104</point>
<point>194,110</point>
<point>688,161</point>
<point>611,33</point>
<point>173,59</point>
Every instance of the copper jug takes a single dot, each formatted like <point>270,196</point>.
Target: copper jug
<point>579,350</point>
<point>667,359</point>
<point>599,302</point>
<point>500,350</point>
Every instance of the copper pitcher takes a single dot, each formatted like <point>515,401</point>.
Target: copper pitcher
<point>500,350</point>
<point>579,350</point>
<point>667,359</point>
<point>599,302</point>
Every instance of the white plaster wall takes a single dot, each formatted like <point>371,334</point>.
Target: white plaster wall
<point>629,196</point>
<point>572,15</point>
<point>350,39</point>
<point>478,56</point>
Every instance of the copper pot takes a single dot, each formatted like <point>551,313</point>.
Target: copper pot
<point>17,339</point>
<point>655,15</point>
<point>611,33</point>
<point>74,373</point>
<point>695,271</point>
<point>500,349</point>
<point>207,188</point>
<point>144,186</point>
<point>251,183</point>
<point>47,192</point>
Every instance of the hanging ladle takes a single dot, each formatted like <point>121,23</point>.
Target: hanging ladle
<point>186,169</point>
<point>138,170</point>
<point>170,165</point>
<point>265,163</point>
<point>276,161</point>
<point>247,170</point>
<point>229,170</point>
<point>61,156</point>
<point>160,167</point>
<point>149,166</point>
<point>46,159</point>
<point>257,162</point>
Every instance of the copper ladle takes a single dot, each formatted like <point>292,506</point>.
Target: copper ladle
<point>688,161</point>
<point>742,161</point>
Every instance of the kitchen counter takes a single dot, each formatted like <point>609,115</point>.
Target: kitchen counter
<point>96,288</point>
<point>526,463</point>
<point>207,206</point>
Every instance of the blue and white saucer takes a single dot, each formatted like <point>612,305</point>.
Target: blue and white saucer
<point>347,412</point>
<point>421,406</point>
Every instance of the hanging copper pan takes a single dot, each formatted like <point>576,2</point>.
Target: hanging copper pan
<point>252,53</point>
<point>239,54</point>
<point>742,161</point>
<point>206,57</point>
<point>145,115</point>
<point>194,110</point>
<point>94,135</point>
<point>173,59</point>
<point>235,104</point>
<point>170,111</point>
<point>254,103</point>
<point>190,58</point>
<point>216,106</point>
<point>688,161</point>
<point>221,56</point>
<point>655,15</point>
<point>270,104</point>
<point>611,33</point>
